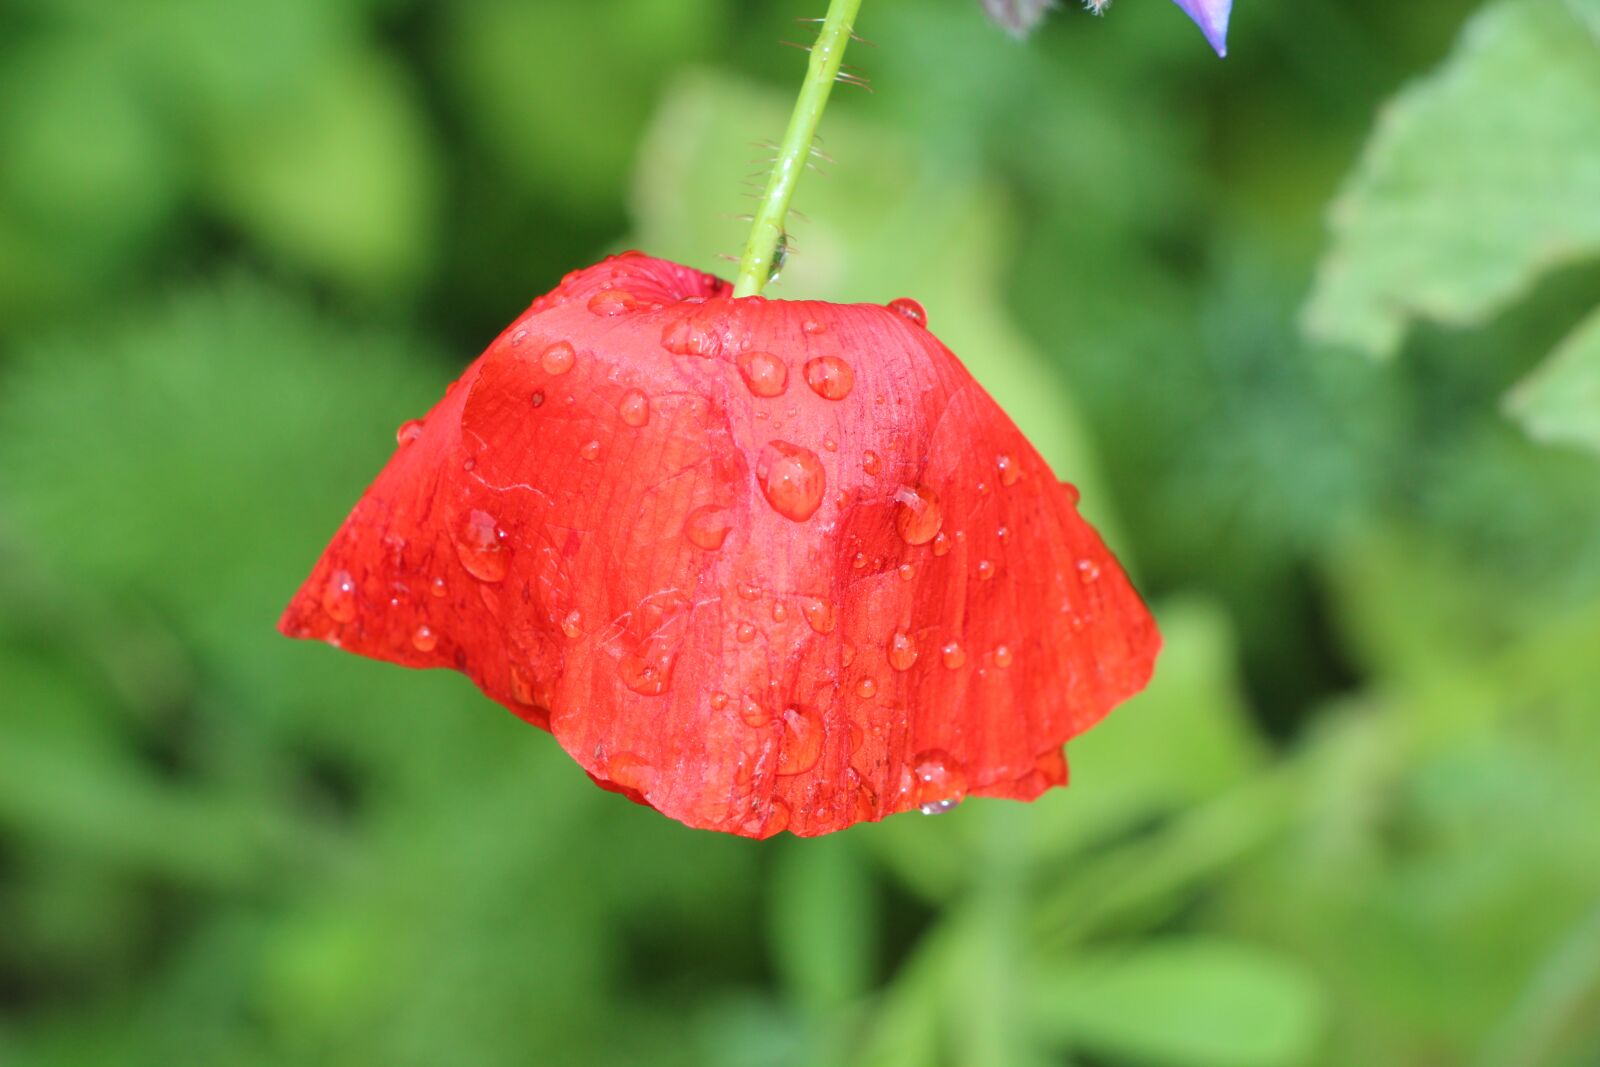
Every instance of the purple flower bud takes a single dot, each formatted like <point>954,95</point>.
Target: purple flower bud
<point>1212,18</point>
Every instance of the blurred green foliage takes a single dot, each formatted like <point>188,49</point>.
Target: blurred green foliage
<point>1353,821</point>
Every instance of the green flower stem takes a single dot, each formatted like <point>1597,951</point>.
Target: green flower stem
<point>760,259</point>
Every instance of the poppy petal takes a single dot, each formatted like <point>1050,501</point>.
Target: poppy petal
<point>758,564</point>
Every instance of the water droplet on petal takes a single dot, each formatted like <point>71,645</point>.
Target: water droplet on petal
<point>590,451</point>
<point>480,546</point>
<point>941,545</point>
<point>902,652</point>
<point>813,327</point>
<point>707,527</point>
<point>519,337</point>
<point>719,700</point>
<point>779,611</point>
<point>630,772</point>
<point>920,515</point>
<point>439,588</point>
<point>1010,473</point>
<point>985,570</point>
<point>1002,655</point>
<point>647,670</point>
<point>1004,534</point>
<point>934,780</point>
<point>820,616</point>
<point>572,624</point>
<point>830,444</point>
<point>538,398</point>
<point>752,713</point>
<point>558,358</point>
<point>871,463</point>
<point>954,655</point>
<point>1088,571</point>
<point>339,597</point>
<point>635,408</point>
<point>909,310</point>
<point>764,374</point>
<point>802,741</point>
<point>847,656</point>
<point>409,431</point>
<point>749,592</point>
<point>609,303</point>
<point>830,377</point>
<point>424,640</point>
<point>745,633</point>
<point>907,572</point>
<point>867,688</point>
<point>792,480</point>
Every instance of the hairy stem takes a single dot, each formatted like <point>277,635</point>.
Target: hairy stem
<point>767,236</point>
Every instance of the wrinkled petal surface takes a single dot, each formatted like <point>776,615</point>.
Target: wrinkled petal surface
<point>1212,18</point>
<point>758,564</point>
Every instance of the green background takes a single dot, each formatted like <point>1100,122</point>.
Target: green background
<point>1314,327</point>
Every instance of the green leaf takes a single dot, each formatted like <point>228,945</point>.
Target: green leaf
<point>1560,402</point>
<point>1198,1003</point>
<point>1478,181</point>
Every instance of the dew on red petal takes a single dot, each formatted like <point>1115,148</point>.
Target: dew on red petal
<point>871,463</point>
<point>764,374</point>
<point>424,639</point>
<point>558,358</point>
<point>1010,473</point>
<point>820,615</point>
<point>1088,571</point>
<point>748,591</point>
<point>631,772</point>
<point>780,613</point>
<point>1002,655</point>
<point>920,515</point>
<point>537,400</point>
<point>745,633</point>
<point>954,655</point>
<point>830,377</point>
<point>634,408</point>
<point>813,327</point>
<point>647,670</point>
<point>339,597</point>
<point>847,656</point>
<point>480,546</point>
<point>792,479</point>
<point>519,337</point>
<point>934,781</point>
<point>590,451</point>
<point>902,652</point>
<point>409,431</point>
<point>707,527</point>
<point>1003,534</point>
<point>1071,490</point>
<point>909,310</point>
<point>802,741</point>
<point>719,700</point>
<point>908,572</point>
<point>609,303</point>
<point>439,588</point>
<point>751,713</point>
<point>941,545</point>
<point>867,688</point>
<point>572,623</point>
<point>985,570</point>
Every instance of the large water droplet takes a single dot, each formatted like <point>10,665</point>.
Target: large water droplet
<point>792,480</point>
<point>909,310</point>
<point>934,780</point>
<point>953,654</point>
<point>745,633</point>
<point>908,572</point>
<point>409,431</point>
<point>867,688</point>
<point>439,588</point>
<point>339,597</point>
<point>634,408</point>
<point>751,712</point>
<point>941,545</point>
<point>610,303</point>
<point>902,652</point>
<point>830,377</point>
<point>1010,473</point>
<point>719,700</point>
<point>572,623</point>
<point>985,570</point>
<point>424,640</point>
<point>764,374</point>
<point>802,741</point>
<point>820,615</point>
<point>920,515</point>
<point>558,358</point>
<point>707,527</point>
<point>690,337</point>
<point>480,545</point>
<point>647,670</point>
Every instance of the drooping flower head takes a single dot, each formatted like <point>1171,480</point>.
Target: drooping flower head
<point>1021,16</point>
<point>758,564</point>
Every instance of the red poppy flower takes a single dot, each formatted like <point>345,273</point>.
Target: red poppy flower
<point>758,564</point>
